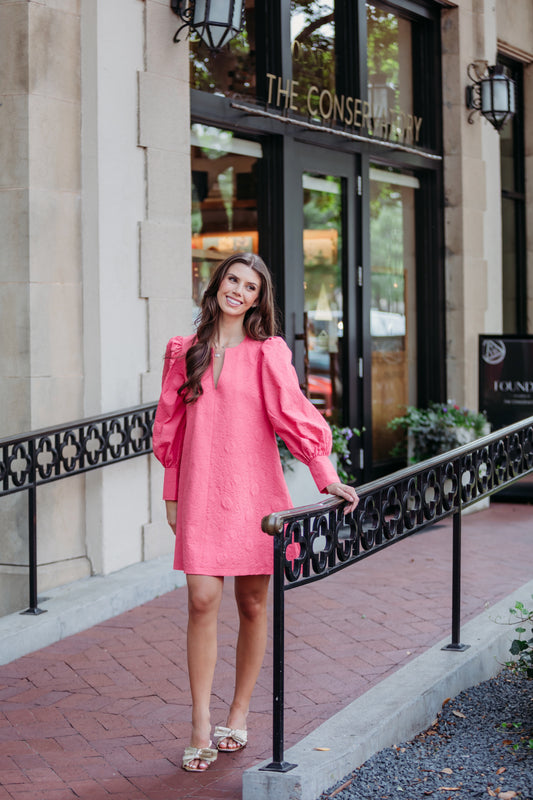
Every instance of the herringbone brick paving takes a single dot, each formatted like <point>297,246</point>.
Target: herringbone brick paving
<point>105,714</point>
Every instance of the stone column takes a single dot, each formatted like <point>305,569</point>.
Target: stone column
<point>472,200</point>
<point>41,358</point>
<point>165,233</point>
<point>115,316</point>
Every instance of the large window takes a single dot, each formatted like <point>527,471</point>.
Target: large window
<point>224,200</point>
<point>393,304</point>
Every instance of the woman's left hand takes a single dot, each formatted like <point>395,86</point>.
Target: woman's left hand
<point>347,493</point>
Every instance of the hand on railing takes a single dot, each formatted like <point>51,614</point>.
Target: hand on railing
<point>345,492</point>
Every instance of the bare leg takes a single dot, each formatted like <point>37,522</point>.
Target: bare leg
<point>205,594</point>
<point>251,592</point>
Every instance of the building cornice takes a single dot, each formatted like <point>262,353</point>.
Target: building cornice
<point>516,53</point>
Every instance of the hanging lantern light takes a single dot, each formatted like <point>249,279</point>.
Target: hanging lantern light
<point>215,21</point>
<point>492,93</point>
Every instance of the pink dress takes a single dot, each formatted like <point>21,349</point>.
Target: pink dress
<point>221,458</point>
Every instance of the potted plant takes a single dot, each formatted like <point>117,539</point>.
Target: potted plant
<point>436,429</point>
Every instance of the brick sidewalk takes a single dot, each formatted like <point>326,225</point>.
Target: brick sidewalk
<point>105,714</point>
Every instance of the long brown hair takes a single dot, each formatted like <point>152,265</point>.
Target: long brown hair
<point>259,322</point>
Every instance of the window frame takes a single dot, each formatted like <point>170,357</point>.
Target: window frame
<point>518,195</point>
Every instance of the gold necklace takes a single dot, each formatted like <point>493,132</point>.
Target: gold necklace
<point>230,344</point>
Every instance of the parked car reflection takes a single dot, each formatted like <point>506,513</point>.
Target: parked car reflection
<point>322,374</point>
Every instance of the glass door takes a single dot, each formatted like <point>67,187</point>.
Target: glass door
<point>323,317</point>
<point>321,295</point>
<point>393,305</point>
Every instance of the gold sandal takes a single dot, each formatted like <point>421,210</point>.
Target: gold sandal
<point>207,754</point>
<point>240,737</point>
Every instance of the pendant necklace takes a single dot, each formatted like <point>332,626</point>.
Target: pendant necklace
<point>223,347</point>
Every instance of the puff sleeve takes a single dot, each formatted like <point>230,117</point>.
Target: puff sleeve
<point>170,418</point>
<point>293,417</point>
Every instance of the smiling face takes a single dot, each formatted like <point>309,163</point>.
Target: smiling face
<point>239,290</point>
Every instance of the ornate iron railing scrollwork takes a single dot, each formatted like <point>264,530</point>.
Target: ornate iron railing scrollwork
<point>317,541</point>
<point>77,447</point>
<point>30,460</point>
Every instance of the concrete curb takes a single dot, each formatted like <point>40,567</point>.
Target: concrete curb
<point>395,710</point>
<point>80,605</point>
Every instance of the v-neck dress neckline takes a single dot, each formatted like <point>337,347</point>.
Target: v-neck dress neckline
<point>221,360</point>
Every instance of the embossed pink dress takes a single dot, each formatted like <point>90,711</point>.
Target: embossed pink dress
<point>221,458</point>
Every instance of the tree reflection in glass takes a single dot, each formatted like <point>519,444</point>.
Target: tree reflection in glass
<point>232,71</point>
<point>313,44</point>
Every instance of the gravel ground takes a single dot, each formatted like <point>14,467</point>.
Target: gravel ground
<point>478,747</point>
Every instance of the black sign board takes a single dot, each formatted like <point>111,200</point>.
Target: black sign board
<point>506,391</point>
<point>505,378</point>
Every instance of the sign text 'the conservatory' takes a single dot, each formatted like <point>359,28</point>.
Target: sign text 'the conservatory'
<point>393,125</point>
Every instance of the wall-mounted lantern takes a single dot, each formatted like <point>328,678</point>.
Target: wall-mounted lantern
<point>492,93</point>
<point>215,21</point>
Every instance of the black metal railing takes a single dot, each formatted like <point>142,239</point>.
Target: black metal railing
<point>389,510</point>
<point>51,454</point>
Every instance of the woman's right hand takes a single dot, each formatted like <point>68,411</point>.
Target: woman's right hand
<point>172,508</point>
<point>347,493</point>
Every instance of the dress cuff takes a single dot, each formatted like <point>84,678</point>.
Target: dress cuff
<point>323,472</point>
<point>170,484</point>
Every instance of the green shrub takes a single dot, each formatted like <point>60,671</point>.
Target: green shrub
<point>523,648</point>
<point>436,429</point>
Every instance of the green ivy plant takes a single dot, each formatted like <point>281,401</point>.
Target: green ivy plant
<point>522,665</point>
<point>436,429</point>
<point>523,648</point>
<point>516,727</point>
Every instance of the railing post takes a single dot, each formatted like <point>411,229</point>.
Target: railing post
<point>455,643</point>
<point>278,764</point>
<point>32,535</point>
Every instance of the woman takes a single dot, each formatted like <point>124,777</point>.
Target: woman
<point>226,392</point>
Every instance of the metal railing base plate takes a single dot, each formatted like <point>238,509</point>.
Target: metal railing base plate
<point>277,766</point>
